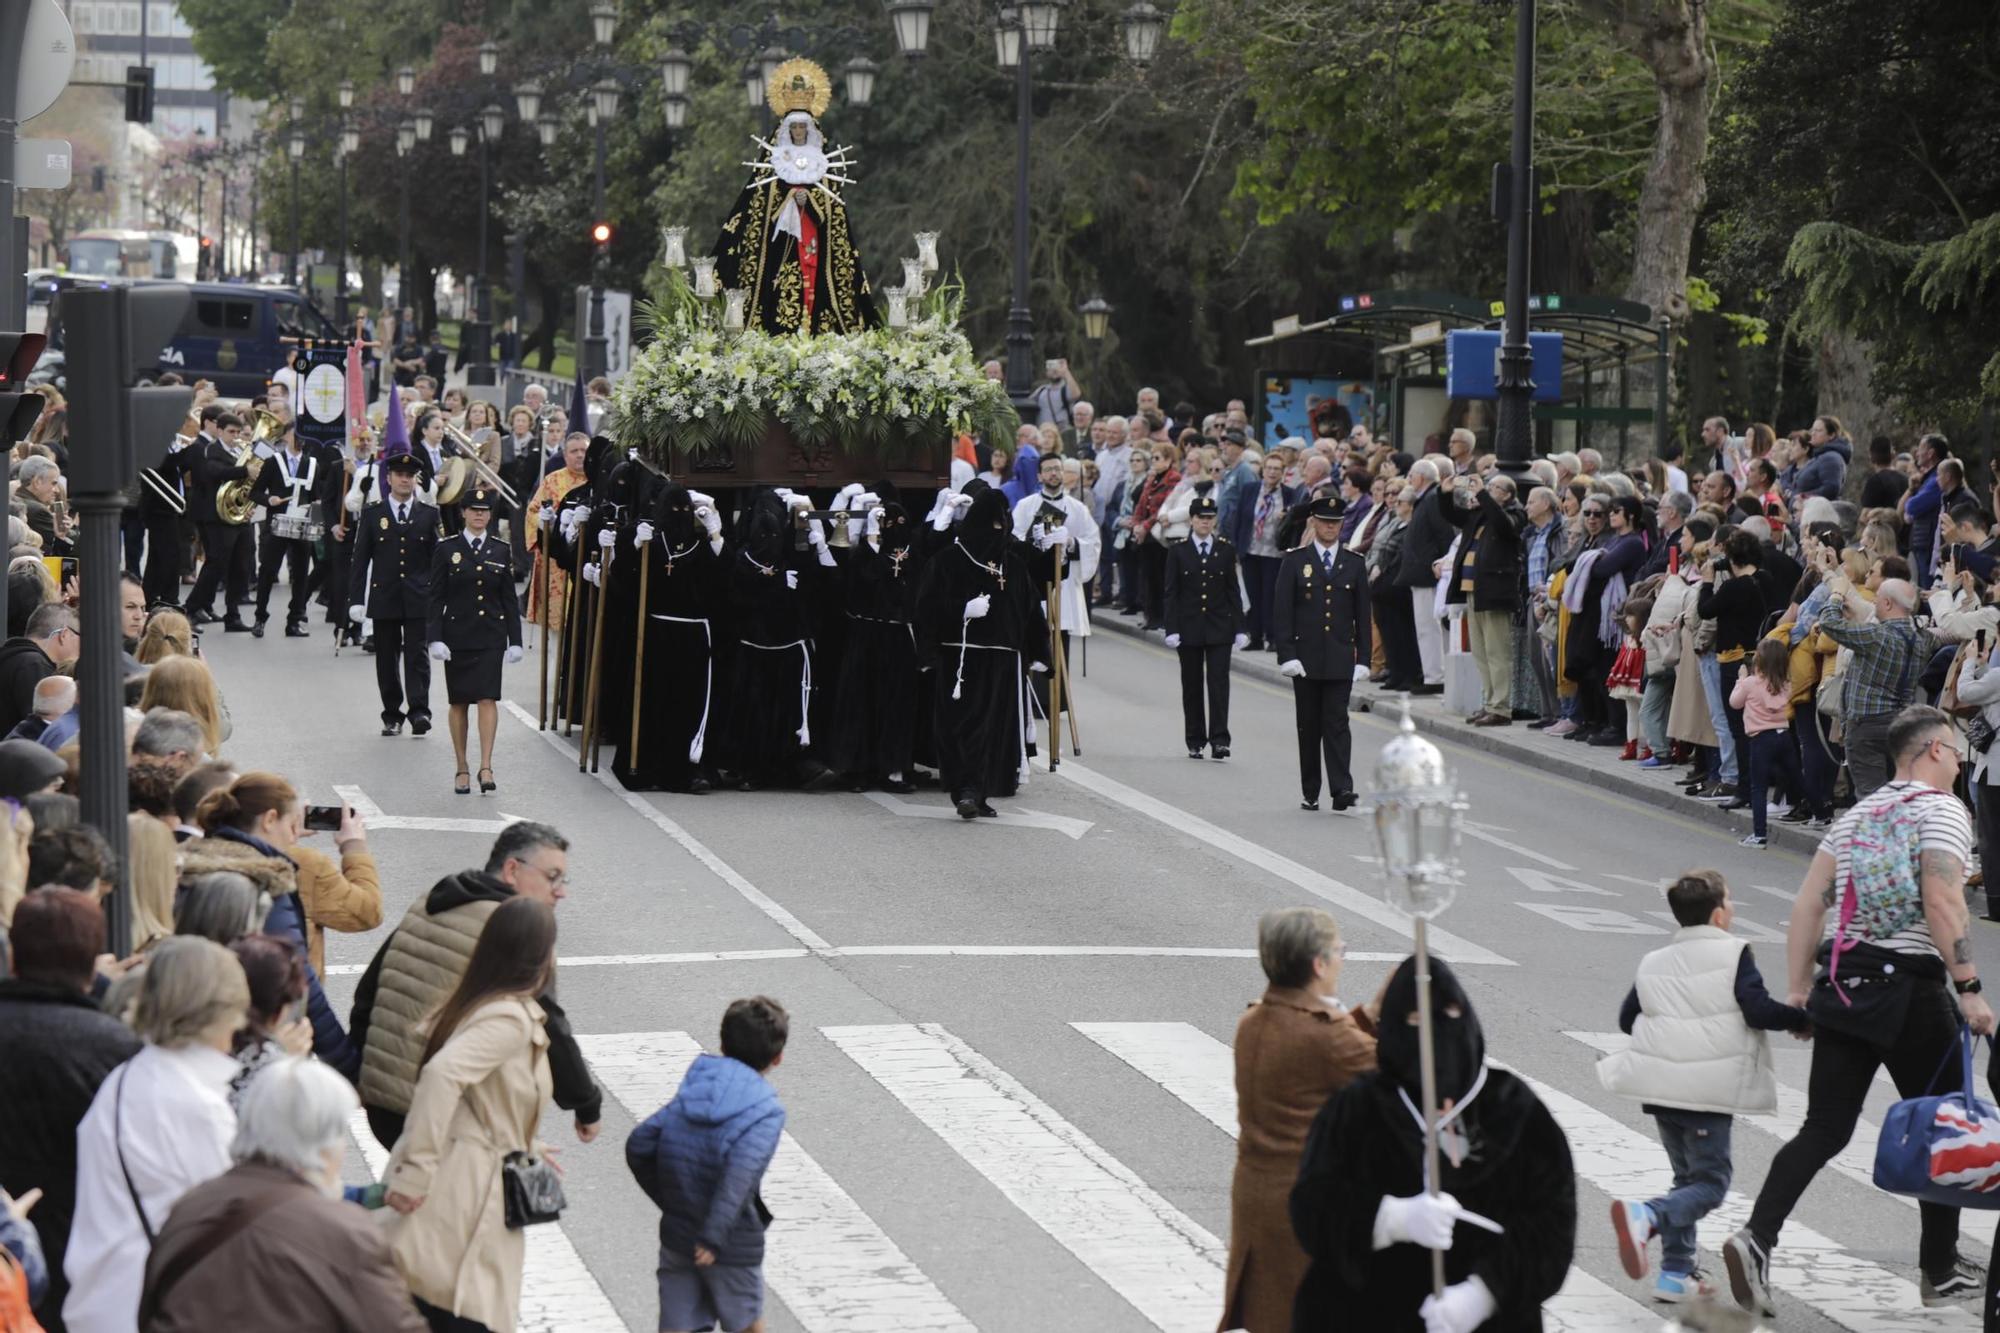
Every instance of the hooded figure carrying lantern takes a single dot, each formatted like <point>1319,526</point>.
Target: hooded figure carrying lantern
<point>787,244</point>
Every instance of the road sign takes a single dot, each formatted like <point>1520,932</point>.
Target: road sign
<point>1472,364</point>
<point>48,55</point>
<point>41,164</point>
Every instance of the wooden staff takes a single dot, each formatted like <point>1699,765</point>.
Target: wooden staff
<point>544,578</point>
<point>586,751</point>
<point>576,600</point>
<point>639,655</point>
<point>1055,665</point>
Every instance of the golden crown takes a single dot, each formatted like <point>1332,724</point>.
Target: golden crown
<point>799,85</point>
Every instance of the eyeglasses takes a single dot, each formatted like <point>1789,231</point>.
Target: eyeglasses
<point>1593,513</point>
<point>557,879</point>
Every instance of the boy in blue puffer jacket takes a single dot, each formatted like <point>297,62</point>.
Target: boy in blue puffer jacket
<point>700,1158</point>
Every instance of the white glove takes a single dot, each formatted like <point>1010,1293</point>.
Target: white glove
<point>785,495</point>
<point>978,607</point>
<point>844,498</point>
<point>1173,641</point>
<point>440,652</point>
<point>1463,1307</point>
<point>939,507</point>
<point>1421,1219</point>
<point>697,498</point>
<point>357,613</point>
<point>547,514</point>
<point>960,502</point>
<point>815,534</point>
<point>865,501</point>
<point>798,502</point>
<point>607,538</point>
<point>1360,673</point>
<point>572,519</point>
<point>792,579</point>
<point>590,572</point>
<point>1039,668</point>
<point>875,517</point>
<point>944,513</point>
<point>643,533</point>
<point>711,521</point>
<point>1292,668</point>
<point>514,653</point>
<point>1056,536</point>
<point>1242,642</point>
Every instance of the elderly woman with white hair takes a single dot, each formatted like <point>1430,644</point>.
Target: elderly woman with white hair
<point>40,488</point>
<point>159,1126</point>
<point>277,1218</point>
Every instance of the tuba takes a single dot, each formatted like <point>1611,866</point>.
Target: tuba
<point>232,498</point>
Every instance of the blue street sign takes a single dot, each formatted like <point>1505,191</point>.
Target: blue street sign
<point>1472,364</point>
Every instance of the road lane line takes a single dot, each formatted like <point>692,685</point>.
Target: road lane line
<point>690,844</point>
<point>834,1269</point>
<point>1200,1072</point>
<point>559,1294</point>
<point>1349,899</point>
<point>899,951</point>
<point>1164,1264</point>
<point>1850,1292</point>
<point>1856,1161</point>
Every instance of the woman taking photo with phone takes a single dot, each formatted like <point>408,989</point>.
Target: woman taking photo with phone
<point>479,1099</point>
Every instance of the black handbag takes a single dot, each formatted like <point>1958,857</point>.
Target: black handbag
<point>532,1190</point>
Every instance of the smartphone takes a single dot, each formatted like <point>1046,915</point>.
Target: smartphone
<point>1979,641</point>
<point>323,818</point>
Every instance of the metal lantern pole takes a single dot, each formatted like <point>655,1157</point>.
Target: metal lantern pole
<point>340,261</point>
<point>1020,323</point>
<point>1513,436</point>
<point>1428,1079</point>
<point>594,344</point>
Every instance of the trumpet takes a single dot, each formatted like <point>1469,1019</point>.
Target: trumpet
<point>451,487</point>
<point>232,499</point>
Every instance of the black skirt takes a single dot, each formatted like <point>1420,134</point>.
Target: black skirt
<point>472,677</point>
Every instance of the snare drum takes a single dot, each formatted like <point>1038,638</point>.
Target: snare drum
<point>296,527</point>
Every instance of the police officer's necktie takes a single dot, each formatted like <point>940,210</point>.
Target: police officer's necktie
<point>402,513</point>
<point>475,548</point>
<point>1326,561</point>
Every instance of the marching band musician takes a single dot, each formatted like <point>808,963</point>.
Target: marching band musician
<point>162,520</point>
<point>1203,617</point>
<point>875,707</point>
<point>474,624</point>
<point>214,462</point>
<point>292,483</point>
<point>430,456</point>
<point>685,594</point>
<point>390,585</point>
<point>979,622</point>
<point>361,491</point>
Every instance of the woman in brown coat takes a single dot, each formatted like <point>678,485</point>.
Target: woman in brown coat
<point>485,1079</point>
<point>1295,1048</point>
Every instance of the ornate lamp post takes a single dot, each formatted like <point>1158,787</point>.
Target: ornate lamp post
<point>295,148</point>
<point>1418,811</point>
<point>1023,30</point>
<point>406,140</point>
<point>1514,425</point>
<point>1096,314</point>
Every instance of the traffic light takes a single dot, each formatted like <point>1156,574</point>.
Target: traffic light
<point>118,418</point>
<point>18,407</point>
<point>600,234</point>
<point>139,93</point>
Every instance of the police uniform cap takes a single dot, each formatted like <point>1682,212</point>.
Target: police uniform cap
<point>481,499</point>
<point>1326,506</point>
<point>402,463</point>
<point>1203,506</point>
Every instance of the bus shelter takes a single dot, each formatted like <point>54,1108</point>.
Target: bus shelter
<point>1603,339</point>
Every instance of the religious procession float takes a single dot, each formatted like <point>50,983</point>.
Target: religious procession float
<point>770,362</point>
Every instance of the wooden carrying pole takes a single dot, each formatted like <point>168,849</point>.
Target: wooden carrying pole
<point>575,601</point>
<point>1059,685</point>
<point>639,654</point>
<point>542,562</point>
<point>593,709</point>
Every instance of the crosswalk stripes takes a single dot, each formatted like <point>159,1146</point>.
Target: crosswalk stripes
<point>1160,1261</point>
<point>828,1261</point>
<point>1850,1292</point>
<point>1200,1071</point>
<point>1856,1161</point>
<point>558,1292</point>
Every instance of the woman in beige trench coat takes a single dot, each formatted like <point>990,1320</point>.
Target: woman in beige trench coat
<point>485,1079</point>
<point>1294,1050</point>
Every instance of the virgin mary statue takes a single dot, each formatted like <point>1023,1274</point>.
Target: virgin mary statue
<point>787,244</point>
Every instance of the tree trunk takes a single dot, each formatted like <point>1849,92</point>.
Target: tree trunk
<point>1670,37</point>
<point>1846,374</point>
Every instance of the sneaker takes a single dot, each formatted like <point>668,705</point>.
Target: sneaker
<point>1719,792</point>
<point>1958,1283</point>
<point>1749,1273</point>
<point>1754,840</point>
<point>1819,822</point>
<point>1779,808</point>
<point>1654,761</point>
<point>1633,1224</point>
<point>1562,728</point>
<point>1674,1288</point>
<point>1798,814</point>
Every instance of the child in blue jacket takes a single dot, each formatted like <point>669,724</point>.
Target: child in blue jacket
<point>700,1158</point>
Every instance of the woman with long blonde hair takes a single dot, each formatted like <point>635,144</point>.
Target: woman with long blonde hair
<point>167,634</point>
<point>152,863</point>
<point>187,684</point>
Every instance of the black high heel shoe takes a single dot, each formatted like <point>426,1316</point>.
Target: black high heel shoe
<point>486,784</point>
<point>461,783</point>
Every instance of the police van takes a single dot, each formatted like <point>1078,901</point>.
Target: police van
<point>237,335</point>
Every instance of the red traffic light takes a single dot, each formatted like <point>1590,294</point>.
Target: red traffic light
<point>600,233</point>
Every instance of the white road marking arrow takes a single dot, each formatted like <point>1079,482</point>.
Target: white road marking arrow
<point>362,805</point>
<point>1016,818</point>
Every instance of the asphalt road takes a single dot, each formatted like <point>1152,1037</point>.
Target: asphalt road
<point>1008,1083</point>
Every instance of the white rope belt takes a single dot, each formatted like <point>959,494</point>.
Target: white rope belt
<point>804,646</point>
<point>707,680</point>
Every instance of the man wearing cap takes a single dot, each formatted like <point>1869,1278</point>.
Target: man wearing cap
<point>473,624</point>
<point>395,539</point>
<point>1203,617</point>
<point>1320,631</point>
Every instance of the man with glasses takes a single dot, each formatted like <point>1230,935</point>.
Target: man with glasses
<point>422,962</point>
<point>1891,875</point>
<point>48,644</point>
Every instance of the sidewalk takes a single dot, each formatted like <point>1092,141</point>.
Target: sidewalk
<point>1598,767</point>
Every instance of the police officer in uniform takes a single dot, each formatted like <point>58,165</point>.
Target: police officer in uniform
<point>390,584</point>
<point>1320,615</point>
<point>474,625</point>
<point>1203,617</point>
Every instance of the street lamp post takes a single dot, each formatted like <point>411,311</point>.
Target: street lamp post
<point>296,148</point>
<point>1515,426</point>
<point>406,139</point>
<point>604,105</point>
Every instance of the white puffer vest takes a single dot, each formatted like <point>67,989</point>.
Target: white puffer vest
<point>1691,1048</point>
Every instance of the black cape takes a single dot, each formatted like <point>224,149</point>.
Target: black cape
<point>766,267</point>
